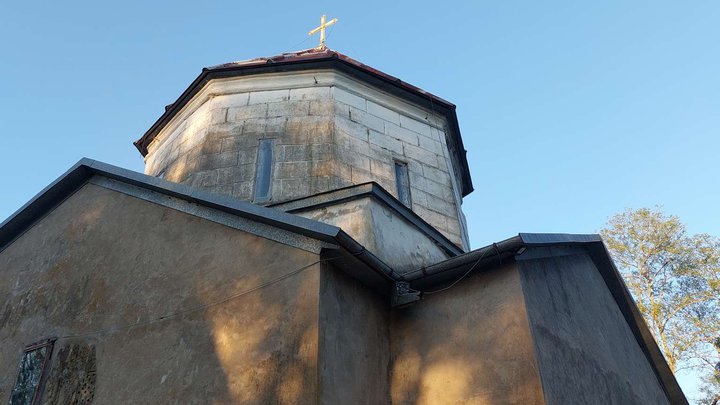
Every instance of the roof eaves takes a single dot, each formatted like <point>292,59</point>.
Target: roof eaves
<point>326,60</point>
<point>79,173</point>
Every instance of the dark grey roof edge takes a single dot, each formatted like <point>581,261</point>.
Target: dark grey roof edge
<point>54,193</point>
<point>497,253</point>
<point>373,190</point>
<point>79,173</point>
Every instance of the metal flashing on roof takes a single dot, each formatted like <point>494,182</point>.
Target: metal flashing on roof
<point>378,193</point>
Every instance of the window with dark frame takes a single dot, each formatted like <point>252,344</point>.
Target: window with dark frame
<point>402,179</point>
<point>33,367</point>
<point>263,172</point>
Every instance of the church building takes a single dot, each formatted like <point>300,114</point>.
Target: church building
<point>298,238</point>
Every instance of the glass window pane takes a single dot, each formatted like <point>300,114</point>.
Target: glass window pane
<point>28,380</point>
<point>403,182</point>
<point>264,170</point>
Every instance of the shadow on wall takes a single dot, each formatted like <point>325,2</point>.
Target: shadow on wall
<point>103,260</point>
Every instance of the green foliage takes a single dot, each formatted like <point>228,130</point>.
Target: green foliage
<point>675,280</point>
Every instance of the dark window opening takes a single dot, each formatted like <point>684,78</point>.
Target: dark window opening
<point>263,175</point>
<point>402,179</point>
<point>32,371</point>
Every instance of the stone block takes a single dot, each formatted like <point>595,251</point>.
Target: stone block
<point>361,176</point>
<point>237,142</point>
<point>204,179</point>
<point>383,112</point>
<point>224,189</point>
<point>430,145</point>
<point>236,114</point>
<point>349,98</point>
<point>293,138</point>
<point>218,116</point>
<point>235,174</point>
<point>351,128</point>
<point>418,196</point>
<point>437,220</point>
<point>387,184</point>
<point>225,130</point>
<point>351,158</point>
<point>438,190</point>
<point>441,205</point>
<point>269,96</point>
<point>292,170</point>
<point>295,153</point>
<point>421,155</point>
<point>311,125</point>
<point>210,146</point>
<point>243,190</point>
<point>310,93</point>
<point>322,169</point>
<point>368,120</point>
<point>217,160</point>
<point>405,135</point>
<point>176,171</point>
<point>294,188</point>
<point>437,175</point>
<point>322,151</point>
<point>254,126</point>
<point>248,155</point>
<point>288,109</point>
<point>417,126</point>
<point>382,169</point>
<point>275,125</point>
<point>343,171</point>
<point>231,100</point>
<point>417,180</point>
<point>386,142</point>
<point>321,184</point>
<point>321,107</point>
<point>360,146</point>
<point>341,109</point>
<point>454,227</point>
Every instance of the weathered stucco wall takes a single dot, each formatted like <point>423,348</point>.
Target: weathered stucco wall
<point>354,349</point>
<point>329,131</point>
<point>468,345</point>
<point>585,349</point>
<point>103,260</point>
<point>387,235</point>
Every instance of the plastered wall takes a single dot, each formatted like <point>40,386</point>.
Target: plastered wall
<point>104,260</point>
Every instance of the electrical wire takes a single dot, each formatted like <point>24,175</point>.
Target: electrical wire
<point>198,308</point>
<point>296,45</point>
<point>459,279</point>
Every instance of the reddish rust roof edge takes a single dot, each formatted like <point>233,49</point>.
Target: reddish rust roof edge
<point>319,53</point>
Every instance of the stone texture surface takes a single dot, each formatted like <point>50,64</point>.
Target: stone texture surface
<point>326,136</point>
<point>103,260</point>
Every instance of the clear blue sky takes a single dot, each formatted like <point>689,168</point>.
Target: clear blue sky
<point>570,111</point>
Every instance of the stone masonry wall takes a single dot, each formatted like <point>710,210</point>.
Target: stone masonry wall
<point>328,132</point>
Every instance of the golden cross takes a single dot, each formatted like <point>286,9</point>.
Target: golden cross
<point>321,28</point>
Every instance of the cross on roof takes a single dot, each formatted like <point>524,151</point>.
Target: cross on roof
<point>321,28</point>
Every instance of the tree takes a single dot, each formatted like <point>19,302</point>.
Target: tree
<point>675,280</point>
